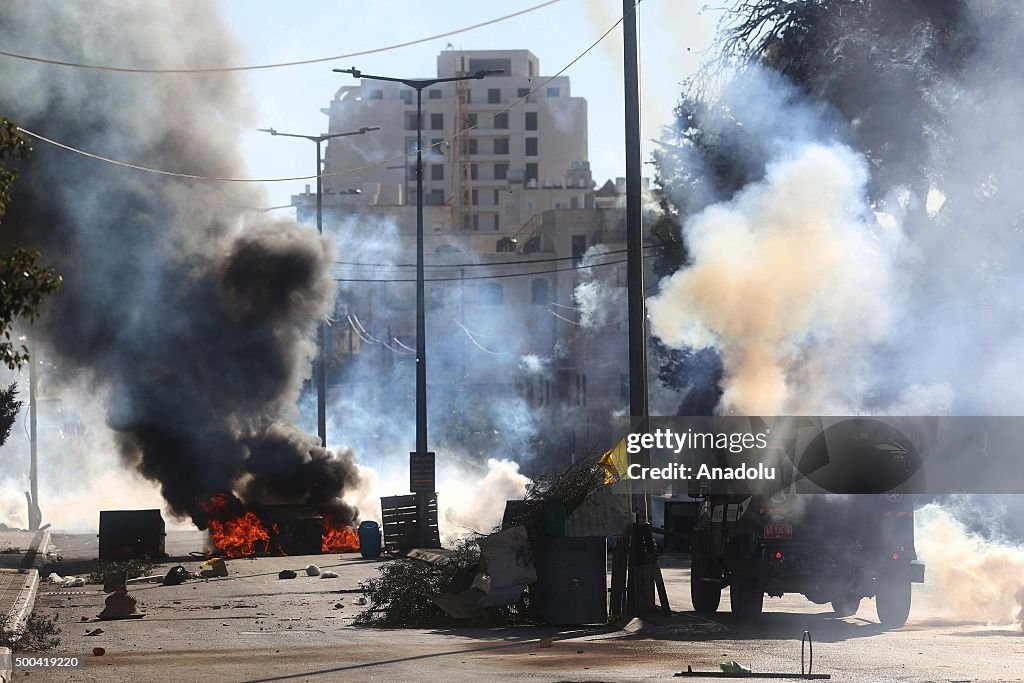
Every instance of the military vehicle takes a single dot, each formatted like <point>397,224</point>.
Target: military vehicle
<point>833,548</point>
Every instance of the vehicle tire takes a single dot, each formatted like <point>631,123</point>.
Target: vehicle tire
<point>845,606</point>
<point>892,602</point>
<point>746,597</point>
<point>705,595</point>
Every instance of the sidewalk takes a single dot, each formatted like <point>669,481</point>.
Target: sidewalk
<point>19,579</point>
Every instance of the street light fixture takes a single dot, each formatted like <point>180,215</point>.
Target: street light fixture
<point>321,363</point>
<point>421,462</point>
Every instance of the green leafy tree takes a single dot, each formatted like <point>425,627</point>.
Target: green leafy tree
<point>9,407</point>
<point>23,283</point>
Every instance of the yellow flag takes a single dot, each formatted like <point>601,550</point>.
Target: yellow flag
<point>615,462</point>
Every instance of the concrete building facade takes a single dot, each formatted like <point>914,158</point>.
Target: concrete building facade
<point>505,329</point>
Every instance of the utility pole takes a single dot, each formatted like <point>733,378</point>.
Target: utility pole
<point>643,570</point>
<point>35,516</point>
<point>421,462</point>
<point>321,333</point>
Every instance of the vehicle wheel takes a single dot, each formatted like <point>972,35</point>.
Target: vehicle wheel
<point>746,598</point>
<point>846,606</point>
<point>705,595</point>
<point>892,602</point>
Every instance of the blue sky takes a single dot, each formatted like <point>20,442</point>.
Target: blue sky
<point>672,35</point>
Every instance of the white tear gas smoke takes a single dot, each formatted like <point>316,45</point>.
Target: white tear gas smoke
<point>790,282</point>
<point>979,578</point>
<point>199,329</point>
<point>947,307</point>
<point>79,468</point>
<point>471,495</point>
<point>482,354</point>
<point>601,297</point>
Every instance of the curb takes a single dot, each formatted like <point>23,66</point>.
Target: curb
<point>25,602</point>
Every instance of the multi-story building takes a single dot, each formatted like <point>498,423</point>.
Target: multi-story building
<point>510,212</point>
<point>497,151</point>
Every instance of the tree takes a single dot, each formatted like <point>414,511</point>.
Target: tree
<point>9,407</point>
<point>23,283</point>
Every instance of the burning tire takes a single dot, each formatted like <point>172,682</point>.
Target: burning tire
<point>746,598</point>
<point>705,588</point>
<point>845,606</point>
<point>892,602</point>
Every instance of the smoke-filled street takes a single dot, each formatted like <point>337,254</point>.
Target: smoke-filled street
<point>568,339</point>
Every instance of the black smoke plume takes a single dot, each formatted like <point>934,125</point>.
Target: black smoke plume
<point>194,318</point>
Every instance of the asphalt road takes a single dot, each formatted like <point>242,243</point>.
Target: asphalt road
<point>252,626</point>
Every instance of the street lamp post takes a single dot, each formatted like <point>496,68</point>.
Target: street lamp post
<point>321,336</point>
<point>421,462</point>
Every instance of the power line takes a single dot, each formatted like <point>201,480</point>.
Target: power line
<point>278,65</point>
<point>486,277</point>
<point>191,176</point>
<point>481,265</point>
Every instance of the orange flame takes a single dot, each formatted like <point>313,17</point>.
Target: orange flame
<point>239,537</point>
<point>339,538</point>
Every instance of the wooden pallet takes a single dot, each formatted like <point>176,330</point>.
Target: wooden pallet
<point>399,516</point>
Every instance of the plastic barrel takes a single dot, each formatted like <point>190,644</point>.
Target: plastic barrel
<point>369,539</point>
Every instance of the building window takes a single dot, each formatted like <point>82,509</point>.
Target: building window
<point>475,198</point>
<point>434,198</point>
<point>552,92</point>
<point>539,292</point>
<point>434,93</point>
<point>497,223</point>
<point>471,120</point>
<point>406,96</point>
<point>523,92</point>
<point>492,294</point>
<point>437,172</point>
<point>411,121</point>
<point>436,121</point>
<point>531,147</point>
<point>494,96</point>
<point>501,171</point>
<point>476,221</point>
<point>531,172</point>
<point>501,145</point>
<point>501,120</point>
<point>497,197</point>
<point>410,145</point>
<point>531,120</point>
<point>499,64</point>
<point>472,146</point>
<point>376,95</point>
<point>579,247</point>
<point>436,146</point>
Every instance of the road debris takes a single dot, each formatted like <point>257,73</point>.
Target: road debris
<point>286,574</point>
<point>312,570</point>
<point>328,575</point>
<point>94,632</point>
<point>99,651</point>
<point>216,568</point>
<point>120,605</point>
<point>176,576</point>
<point>65,581</point>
